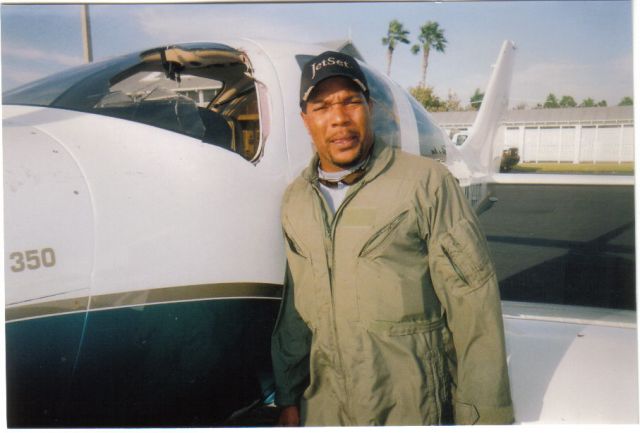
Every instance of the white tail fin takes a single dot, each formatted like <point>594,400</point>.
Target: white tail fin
<point>478,150</point>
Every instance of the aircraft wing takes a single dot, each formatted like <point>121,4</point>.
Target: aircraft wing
<point>564,359</point>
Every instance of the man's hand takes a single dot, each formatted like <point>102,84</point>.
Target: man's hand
<point>289,417</point>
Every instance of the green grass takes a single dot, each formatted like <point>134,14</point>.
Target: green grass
<point>583,168</point>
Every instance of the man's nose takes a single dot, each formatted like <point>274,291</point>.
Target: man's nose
<point>339,115</point>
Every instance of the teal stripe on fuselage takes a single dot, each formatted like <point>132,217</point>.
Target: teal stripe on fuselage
<point>174,364</point>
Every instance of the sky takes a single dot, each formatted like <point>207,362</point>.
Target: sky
<point>577,48</point>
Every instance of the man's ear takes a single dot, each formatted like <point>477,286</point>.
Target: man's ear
<point>303,116</point>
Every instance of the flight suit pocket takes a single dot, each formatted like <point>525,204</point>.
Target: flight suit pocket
<point>383,236</point>
<point>293,246</point>
<point>465,248</point>
<point>302,275</point>
<point>437,366</point>
<point>464,413</point>
<point>391,277</point>
<point>427,363</point>
<point>408,327</point>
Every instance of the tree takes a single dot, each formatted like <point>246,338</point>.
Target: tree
<point>589,102</point>
<point>627,100</point>
<point>476,100</point>
<point>567,101</point>
<point>551,102</point>
<point>426,97</point>
<point>396,33</point>
<point>431,36</point>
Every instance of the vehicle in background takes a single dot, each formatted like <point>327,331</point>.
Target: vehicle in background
<point>459,138</point>
<point>510,158</point>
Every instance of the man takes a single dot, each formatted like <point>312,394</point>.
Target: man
<point>391,312</point>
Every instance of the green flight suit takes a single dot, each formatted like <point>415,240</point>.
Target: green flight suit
<point>391,312</point>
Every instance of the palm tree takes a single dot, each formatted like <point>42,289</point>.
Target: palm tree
<point>395,34</point>
<point>431,36</point>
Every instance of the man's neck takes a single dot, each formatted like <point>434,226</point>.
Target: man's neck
<point>347,176</point>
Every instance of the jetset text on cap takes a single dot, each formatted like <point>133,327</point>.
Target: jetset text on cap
<point>328,62</point>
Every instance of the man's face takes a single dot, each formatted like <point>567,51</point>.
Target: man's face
<point>338,120</point>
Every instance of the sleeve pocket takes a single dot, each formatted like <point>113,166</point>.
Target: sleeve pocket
<point>465,248</point>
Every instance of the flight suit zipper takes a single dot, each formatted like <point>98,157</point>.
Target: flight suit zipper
<point>328,245</point>
<point>330,248</point>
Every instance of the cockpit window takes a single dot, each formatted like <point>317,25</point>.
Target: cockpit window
<point>385,114</point>
<point>431,140</point>
<point>204,91</point>
<point>45,91</point>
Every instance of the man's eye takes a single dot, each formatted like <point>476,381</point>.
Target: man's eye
<point>319,108</point>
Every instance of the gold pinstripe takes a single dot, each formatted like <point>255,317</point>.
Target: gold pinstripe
<point>145,297</point>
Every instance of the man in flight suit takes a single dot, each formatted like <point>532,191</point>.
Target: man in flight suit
<point>391,311</point>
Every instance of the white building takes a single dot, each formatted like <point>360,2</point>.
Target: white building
<point>594,134</point>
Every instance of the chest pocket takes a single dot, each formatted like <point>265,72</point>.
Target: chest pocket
<point>392,276</point>
<point>302,275</point>
<point>383,236</point>
<point>307,263</point>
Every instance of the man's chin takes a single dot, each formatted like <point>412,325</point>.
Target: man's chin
<point>351,161</point>
<point>346,165</point>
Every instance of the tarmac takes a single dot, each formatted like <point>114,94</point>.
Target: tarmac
<point>564,244</point>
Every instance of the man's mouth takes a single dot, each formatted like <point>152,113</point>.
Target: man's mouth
<point>344,140</point>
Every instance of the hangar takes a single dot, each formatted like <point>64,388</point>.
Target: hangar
<point>574,135</point>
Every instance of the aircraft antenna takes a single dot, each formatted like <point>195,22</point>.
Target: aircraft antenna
<point>86,34</point>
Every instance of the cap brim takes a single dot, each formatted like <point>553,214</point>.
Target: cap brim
<point>360,84</point>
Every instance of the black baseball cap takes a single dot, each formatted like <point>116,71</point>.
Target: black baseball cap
<point>326,65</point>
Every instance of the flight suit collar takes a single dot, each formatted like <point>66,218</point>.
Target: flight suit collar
<point>381,157</point>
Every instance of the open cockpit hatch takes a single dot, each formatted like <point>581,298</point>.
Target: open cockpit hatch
<point>203,90</point>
